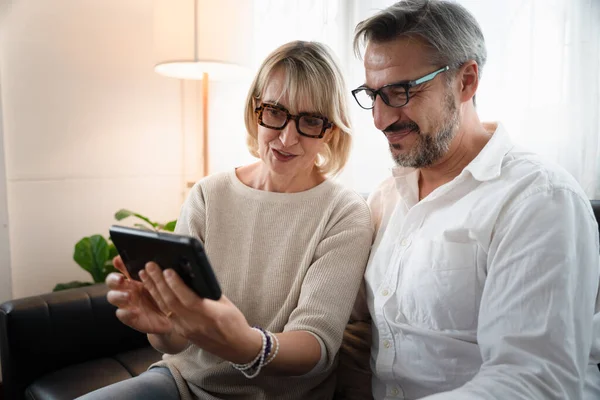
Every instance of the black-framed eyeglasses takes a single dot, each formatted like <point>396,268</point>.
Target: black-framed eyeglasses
<point>394,95</point>
<point>307,124</point>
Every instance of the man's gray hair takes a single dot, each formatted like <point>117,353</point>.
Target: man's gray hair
<point>448,28</point>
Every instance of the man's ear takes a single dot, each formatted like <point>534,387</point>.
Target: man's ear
<point>469,80</point>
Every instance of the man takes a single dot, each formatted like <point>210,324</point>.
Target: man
<point>483,277</point>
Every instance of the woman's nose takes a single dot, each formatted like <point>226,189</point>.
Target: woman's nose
<point>289,135</point>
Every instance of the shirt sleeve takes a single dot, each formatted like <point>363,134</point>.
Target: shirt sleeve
<point>331,284</point>
<point>535,319</point>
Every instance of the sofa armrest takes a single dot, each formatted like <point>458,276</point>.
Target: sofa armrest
<point>41,334</point>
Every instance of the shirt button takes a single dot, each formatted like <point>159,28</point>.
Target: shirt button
<point>385,292</point>
<point>404,242</point>
<point>387,344</point>
<point>394,392</point>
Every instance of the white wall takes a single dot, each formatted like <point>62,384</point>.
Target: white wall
<point>88,128</point>
<point>5,273</point>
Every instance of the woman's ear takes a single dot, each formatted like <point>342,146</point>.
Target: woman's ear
<point>330,133</point>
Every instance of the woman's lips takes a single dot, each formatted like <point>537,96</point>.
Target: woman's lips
<point>282,156</point>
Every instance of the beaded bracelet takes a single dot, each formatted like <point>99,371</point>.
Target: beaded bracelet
<point>270,344</point>
<point>243,367</point>
<point>272,356</point>
<point>255,369</point>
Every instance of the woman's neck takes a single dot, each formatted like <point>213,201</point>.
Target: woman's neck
<point>259,177</point>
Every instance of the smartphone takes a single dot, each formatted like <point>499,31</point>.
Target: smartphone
<point>184,254</point>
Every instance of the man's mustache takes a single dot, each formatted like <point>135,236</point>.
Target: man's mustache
<point>401,126</point>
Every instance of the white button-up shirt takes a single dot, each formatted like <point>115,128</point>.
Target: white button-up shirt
<point>487,288</point>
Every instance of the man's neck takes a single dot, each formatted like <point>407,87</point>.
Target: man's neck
<point>470,139</point>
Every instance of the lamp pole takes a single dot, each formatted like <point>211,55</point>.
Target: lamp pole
<point>205,169</point>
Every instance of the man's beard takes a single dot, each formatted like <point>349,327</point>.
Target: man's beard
<point>429,148</point>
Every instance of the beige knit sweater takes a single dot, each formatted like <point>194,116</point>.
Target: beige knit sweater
<point>289,262</point>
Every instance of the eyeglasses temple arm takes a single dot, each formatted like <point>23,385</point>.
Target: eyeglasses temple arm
<point>430,76</point>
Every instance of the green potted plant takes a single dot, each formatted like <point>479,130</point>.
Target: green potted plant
<point>95,253</point>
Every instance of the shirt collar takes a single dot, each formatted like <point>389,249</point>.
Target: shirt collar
<point>487,164</point>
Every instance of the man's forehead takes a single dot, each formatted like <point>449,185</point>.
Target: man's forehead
<point>404,57</point>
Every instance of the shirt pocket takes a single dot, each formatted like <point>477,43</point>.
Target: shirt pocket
<point>438,287</point>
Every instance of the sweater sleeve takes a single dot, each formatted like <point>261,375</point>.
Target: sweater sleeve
<point>332,281</point>
<point>192,216</point>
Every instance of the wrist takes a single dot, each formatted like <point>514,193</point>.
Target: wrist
<point>268,351</point>
<point>248,348</point>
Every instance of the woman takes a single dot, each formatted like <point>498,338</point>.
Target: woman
<point>288,246</point>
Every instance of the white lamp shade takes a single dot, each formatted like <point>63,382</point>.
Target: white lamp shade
<point>218,41</point>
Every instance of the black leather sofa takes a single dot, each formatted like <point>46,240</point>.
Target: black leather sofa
<point>61,345</point>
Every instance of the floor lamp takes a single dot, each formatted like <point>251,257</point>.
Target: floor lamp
<point>203,40</point>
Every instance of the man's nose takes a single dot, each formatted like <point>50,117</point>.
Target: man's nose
<point>289,135</point>
<point>384,115</point>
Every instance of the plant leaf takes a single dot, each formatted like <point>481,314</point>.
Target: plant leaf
<point>170,226</point>
<point>108,265</point>
<point>141,226</point>
<point>91,253</point>
<point>108,268</point>
<point>112,251</point>
<point>83,254</point>
<point>123,213</point>
<point>101,255</point>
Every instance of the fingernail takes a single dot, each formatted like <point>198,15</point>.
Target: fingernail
<point>169,273</point>
<point>142,274</point>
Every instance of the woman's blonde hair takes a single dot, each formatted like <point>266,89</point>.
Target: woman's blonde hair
<point>312,74</point>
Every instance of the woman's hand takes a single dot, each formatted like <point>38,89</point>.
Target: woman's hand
<point>136,307</point>
<point>218,327</point>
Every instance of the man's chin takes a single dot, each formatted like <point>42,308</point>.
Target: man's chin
<point>403,161</point>
<point>400,157</point>
<point>403,164</point>
<point>410,161</point>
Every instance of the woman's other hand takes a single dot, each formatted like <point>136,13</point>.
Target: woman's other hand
<point>136,307</point>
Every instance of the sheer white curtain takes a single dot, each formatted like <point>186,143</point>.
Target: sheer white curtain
<point>541,79</point>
